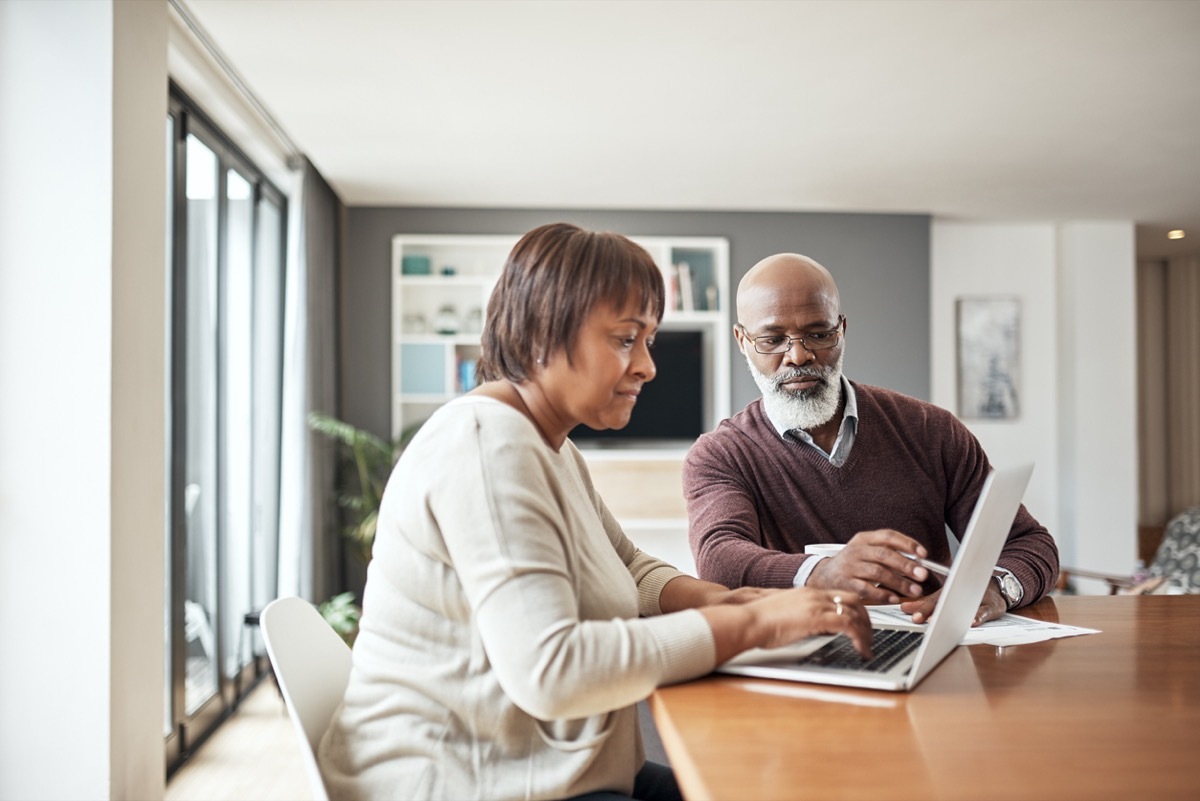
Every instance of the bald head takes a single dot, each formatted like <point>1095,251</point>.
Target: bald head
<point>783,286</point>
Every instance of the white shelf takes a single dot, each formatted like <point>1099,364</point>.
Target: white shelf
<point>424,399</point>
<point>446,280</point>
<point>678,319</point>
<point>672,454</point>
<point>442,339</point>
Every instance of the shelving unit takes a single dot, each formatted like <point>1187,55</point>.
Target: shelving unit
<point>440,287</point>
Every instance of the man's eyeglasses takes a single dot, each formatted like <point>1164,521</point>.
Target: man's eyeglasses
<point>774,344</point>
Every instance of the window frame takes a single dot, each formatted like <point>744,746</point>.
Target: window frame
<point>186,731</point>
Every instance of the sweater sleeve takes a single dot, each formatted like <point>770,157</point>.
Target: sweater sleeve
<point>723,523</point>
<point>1032,556</point>
<point>506,525</point>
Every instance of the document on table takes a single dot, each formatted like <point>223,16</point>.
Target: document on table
<point>1008,630</point>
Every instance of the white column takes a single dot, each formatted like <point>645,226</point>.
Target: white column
<point>1098,394</point>
<point>83,89</point>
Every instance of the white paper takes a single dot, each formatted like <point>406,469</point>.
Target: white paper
<point>1008,630</point>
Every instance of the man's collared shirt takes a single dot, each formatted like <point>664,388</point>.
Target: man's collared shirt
<point>846,433</point>
<point>838,457</point>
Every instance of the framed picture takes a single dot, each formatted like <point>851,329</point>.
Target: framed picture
<point>989,358</point>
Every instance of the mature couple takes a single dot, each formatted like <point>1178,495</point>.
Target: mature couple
<point>509,627</point>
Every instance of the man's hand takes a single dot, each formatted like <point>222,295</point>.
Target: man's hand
<point>871,565</point>
<point>992,607</point>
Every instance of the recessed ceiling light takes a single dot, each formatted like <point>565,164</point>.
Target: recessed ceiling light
<point>1176,234</point>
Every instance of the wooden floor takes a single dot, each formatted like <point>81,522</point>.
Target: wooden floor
<point>255,754</point>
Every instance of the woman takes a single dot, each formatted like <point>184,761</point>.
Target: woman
<point>509,628</point>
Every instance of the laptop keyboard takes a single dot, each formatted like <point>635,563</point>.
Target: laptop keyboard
<point>888,646</point>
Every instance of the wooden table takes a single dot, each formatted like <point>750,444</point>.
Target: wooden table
<point>1110,715</point>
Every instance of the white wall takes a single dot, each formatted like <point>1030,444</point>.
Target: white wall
<point>976,260</point>
<point>1098,394</point>
<point>1075,284</point>
<point>82,433</point>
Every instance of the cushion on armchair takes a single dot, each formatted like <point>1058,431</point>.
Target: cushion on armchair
<point>1178,558</point>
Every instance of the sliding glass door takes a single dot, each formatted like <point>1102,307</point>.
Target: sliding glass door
<point>227,262</point>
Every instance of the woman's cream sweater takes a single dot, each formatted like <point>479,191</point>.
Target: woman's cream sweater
<point>509,627</point>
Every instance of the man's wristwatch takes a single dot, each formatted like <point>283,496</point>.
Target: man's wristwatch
<point>1010,589</point>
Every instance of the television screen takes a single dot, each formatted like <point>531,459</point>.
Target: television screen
<point>671,407</point>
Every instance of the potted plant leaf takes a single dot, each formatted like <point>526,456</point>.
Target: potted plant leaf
<point>367,463</point>
<point>342,614</point>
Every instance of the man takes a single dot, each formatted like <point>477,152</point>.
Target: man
<point>822,459</point>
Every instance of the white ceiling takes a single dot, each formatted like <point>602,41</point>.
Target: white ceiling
<point>994,109</point>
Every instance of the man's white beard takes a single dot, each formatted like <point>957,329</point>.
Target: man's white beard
<point>804,409</point>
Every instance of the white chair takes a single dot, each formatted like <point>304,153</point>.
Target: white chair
<point>312,666</point>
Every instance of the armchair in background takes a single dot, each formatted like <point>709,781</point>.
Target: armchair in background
<point>1174,568</point>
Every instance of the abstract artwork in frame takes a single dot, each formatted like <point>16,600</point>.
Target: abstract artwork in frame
<point>989,358</point>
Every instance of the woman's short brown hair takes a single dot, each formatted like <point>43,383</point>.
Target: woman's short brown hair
<point>552,280</point>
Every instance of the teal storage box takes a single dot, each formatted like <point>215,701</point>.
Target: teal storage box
<point>415,265</point>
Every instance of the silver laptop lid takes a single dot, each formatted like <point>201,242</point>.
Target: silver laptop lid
<point>984,538</point>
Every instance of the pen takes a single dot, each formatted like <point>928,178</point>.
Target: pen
<point>933,567</point>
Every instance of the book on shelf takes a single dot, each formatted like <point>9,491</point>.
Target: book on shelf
<point>710,298</point>
<point>466,375</point>
<point>687,297</point>
<point>701,275</point>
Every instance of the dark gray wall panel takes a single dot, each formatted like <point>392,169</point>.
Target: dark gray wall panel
<point>880,262</point>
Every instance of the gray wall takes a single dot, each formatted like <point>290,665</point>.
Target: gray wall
<point>880,262</point>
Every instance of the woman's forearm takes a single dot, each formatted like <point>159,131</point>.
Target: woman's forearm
<point>685,592</point>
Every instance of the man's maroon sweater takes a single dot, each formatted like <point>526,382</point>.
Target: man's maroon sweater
<point>755,499</point>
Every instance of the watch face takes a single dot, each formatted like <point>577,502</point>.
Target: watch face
<point>1009,588</point>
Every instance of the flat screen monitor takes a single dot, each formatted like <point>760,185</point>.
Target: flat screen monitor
<point>671,407</point>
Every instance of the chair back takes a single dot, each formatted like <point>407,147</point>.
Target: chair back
<point>1178,558</point>
<point>312,666</point>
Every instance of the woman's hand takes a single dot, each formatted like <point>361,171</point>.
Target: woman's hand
<point>685,592</point>
<point>742,595</point>
<point>780,617</point>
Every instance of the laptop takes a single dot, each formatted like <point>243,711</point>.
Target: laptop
<point>918,652</point>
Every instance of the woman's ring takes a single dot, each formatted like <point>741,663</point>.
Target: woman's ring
<point>837,599</point>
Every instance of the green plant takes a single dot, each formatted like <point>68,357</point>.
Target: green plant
<point>342,614</point>
<point>368,461</point>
